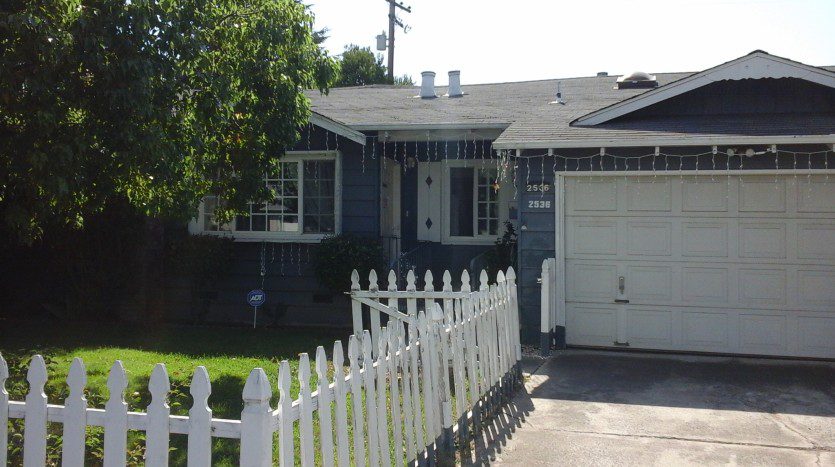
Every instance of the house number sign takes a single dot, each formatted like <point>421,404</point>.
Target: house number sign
<point>543,187</point>
<point>540,189</point>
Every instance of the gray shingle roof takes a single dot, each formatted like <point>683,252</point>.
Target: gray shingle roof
<point>526,110</point>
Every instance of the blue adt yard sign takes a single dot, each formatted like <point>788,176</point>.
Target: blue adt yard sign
<point>255,298</point>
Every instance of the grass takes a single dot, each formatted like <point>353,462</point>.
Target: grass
<point>229,354</point>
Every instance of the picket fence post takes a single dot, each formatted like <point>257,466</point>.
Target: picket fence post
<point>286,449</point>
<point>157,438</point>
<point>341,393</point>
<point>305,413</point>
<point>324,408</point>
<point>370,400</point>
<point>256,418</point>
<point>200,420</point>
<point>75,417</point>
<point>356,307</point>
<point>356,400</point>
<point>116,418</point>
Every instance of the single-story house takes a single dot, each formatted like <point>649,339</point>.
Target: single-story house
<point>686,211</point>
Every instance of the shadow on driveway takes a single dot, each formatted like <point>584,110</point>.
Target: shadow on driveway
<point>612,408</point>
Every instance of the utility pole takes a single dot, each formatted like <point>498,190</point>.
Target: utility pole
<point>394,21</point>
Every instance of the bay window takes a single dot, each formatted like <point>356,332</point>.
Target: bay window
<point>304,205</point>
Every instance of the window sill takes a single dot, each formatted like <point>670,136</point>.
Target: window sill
<point>469,240</point>
<point>268,237</point>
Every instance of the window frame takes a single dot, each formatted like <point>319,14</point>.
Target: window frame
<point>197,225</point>
<point>502,200</point>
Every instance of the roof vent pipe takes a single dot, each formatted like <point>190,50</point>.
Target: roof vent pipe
<point>427,85</point>
<point>455,84</point>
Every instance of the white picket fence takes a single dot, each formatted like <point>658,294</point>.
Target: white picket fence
<point>409,386</point>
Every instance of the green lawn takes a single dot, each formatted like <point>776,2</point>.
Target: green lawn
<point>228,353</point>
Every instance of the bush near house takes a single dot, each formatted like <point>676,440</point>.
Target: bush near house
<point>337,256</point>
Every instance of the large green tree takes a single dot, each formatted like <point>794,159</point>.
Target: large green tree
<point>155,101</point>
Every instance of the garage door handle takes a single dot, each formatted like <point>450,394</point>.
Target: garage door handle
<point>618,300</point>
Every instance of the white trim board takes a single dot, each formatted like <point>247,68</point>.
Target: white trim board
<point>756,65</point>
<point>338,128</point>
<point>670,142</point>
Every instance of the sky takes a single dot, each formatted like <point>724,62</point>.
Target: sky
<point>516,40</point>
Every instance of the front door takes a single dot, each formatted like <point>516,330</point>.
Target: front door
<point>390,209</point>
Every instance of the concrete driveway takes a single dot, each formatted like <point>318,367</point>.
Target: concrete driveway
<point>611,408</point>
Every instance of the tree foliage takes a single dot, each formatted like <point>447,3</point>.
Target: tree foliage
<point>156,101</point>
<point>360,67</point>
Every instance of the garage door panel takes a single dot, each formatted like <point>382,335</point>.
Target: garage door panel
<point>650,328</point>
<point>762,240</point>
<point>762,287</point>
<point>704,239</point>
<point>704,195</point>
<point>816,335</point>
<point>590,325</point>
<point>592,194</point>
<point>762,194</point>
<point>704,285</point>
<point>650,284</point>
<point>591,282</point>
<point>648,194</point>
<point>705,331</point>
<point>815,240</point>
<point>815,194</point>
<point>594,237</point>
<point>762,333</point>
<point>816,288</point>
<point>649,238</point>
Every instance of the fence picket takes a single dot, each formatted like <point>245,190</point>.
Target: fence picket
<point>408,409</point>
<point>420,441</point>
<point>374,314</point>
<point>370,400</point>
<point>34,431</point>
<point>286,450</point>
<point>356,307</point>
<point>305,413</point>
<point>428,286</point>
<point>324,408</point>
<point>382,412</point>
<point>4,411</point>
<point>356,400</point>
<point>75,417</point>
<point>157,439</point>
<point>116,417</point>
<point>200,420</point>
<point>340,391</point>
<point>429,394</point>
<point>394,371</point>
<point>256,418</point>
<point>411,286</point>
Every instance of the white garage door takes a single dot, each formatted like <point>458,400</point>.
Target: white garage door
<point>729,264</point>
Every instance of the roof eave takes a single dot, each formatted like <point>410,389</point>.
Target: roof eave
<point>667,141</point>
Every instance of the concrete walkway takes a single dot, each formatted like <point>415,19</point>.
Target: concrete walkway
<point>611,408</point>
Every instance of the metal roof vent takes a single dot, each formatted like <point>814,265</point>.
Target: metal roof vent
<point>637,80</point>
<point>558,98</point>
<point>455,84</point>
<point>427,85</point>
<point>602,73</point>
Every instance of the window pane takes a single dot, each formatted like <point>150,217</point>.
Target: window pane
<point>291,223</point>
<point>242,223</point>
<point>259,223</point>
<point>319,193</point>
<point>494,227</point>
<point>326,223</point>
<point>311,224</point>
<point>482,227</point>
<point>290,188</point>
<point>461,202</point>
<point>274,223</point>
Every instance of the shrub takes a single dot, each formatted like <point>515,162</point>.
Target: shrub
<point>338,255</point>
<point>503,253</point>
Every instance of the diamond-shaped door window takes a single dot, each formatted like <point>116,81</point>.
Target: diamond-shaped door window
<point>428,223</point>
<point>428,181</point>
